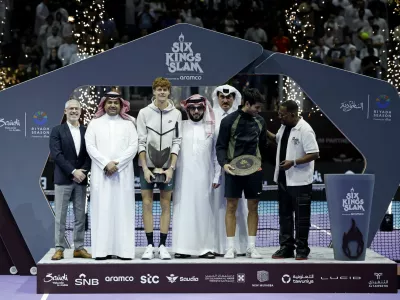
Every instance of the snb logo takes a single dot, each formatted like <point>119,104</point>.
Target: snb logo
<point>183,58</point>
<point>149,279</point>
<point>83,281</point>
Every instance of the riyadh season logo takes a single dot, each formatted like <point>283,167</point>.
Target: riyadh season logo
<point>184,61</point>
<point>40,119</point>
<point>382,113</point>
<point>352,204</point>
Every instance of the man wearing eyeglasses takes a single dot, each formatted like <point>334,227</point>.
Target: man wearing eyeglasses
<point>297,150</point>
<point>193,227</point>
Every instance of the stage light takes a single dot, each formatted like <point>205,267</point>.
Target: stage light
<point>393,68</point>
<point>291,89</point>
<point>87,30</point>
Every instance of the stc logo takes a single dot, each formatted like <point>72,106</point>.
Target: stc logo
<point>83,281</point>
<point>149,279</point>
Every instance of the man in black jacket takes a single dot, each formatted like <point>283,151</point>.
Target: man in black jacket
<point>72,162</point>
<point>242,132</point>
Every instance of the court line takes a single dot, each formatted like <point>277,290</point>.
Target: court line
<point>44,296</point>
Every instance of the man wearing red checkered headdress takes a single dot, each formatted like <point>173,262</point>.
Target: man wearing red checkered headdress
<point>193,228</point>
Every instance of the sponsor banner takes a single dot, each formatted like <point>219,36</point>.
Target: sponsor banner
<point>217,278</point>
<point>30,124</point>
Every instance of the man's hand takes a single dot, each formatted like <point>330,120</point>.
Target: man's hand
<point>148,175</point>
<point>79,176</point>
<point>228,169</point>
<point>216,185</point>
<point>286,164</point>
<point>168,174</point>
<point>111,168</point>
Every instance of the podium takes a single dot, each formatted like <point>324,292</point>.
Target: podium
<point>349,200</point>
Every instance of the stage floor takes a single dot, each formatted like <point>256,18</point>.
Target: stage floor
<point>318,255</point>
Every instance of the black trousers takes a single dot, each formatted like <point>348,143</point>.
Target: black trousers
<point>294,199</point>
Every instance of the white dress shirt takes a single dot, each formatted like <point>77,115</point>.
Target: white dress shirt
<point>76,136</point>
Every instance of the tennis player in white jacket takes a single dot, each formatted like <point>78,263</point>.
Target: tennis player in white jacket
<point>159,127</point>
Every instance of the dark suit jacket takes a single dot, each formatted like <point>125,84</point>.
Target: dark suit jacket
<point>62,151</point>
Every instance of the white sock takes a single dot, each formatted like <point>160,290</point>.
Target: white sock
<point>251,241</point>
<point>231,242</point>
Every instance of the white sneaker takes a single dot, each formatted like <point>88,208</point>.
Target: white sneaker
<point>253,253</point>
<point>148,253</point>
<point>163,253</point>
<point>230,253</point>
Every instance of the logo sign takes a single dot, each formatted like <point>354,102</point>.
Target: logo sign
<point>353,236</point>
<point>352,204</point>
<point>241,278</point>
<point>350,105</point>
<point>298,279</point>
<point>382,112</point>
<point>286,278</point>
<point>10,125</point>
<point>172,278</point>
<point>84,281</point>
<point>58,280</point>
<point>220,278</point>
<point>341,278</point>
<point>40,119</point>
<point>182,62</point>
<point>378,282</point>
<point>119,279</point>
<point>262,276</point>
<point>149,279</point>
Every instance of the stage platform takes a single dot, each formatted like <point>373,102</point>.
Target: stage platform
<point>320,274</point>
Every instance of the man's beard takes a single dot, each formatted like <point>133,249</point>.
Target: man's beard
<point>196,120</point>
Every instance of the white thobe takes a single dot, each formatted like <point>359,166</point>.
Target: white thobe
<point>193,228</point>
<point>112,199</point>
<point>241,233</point>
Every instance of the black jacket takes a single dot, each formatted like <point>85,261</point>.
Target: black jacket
<point>240,134</point>
<point>62,151</point>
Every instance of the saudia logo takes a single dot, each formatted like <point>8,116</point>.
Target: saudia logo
<point>182,59</point>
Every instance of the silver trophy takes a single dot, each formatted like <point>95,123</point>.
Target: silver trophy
<point>158,158</point>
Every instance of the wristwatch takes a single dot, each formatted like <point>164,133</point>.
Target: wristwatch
<point>172,167</point>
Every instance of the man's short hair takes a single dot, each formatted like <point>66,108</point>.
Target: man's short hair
<point>252,96</point>
<point>72,100</point>
<point>161,82</point>
<point>291,106</point>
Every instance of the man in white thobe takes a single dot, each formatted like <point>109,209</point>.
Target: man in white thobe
<point>193,222</point>
<point>112,143</point>
<point>226,99</point>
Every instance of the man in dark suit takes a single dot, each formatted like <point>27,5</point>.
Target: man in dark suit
<point>72,162</point>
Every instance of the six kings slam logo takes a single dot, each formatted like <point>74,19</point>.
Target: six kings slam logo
<point>183,61</point>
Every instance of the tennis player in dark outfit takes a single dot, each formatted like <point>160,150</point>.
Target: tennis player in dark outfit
<point>242,132</point>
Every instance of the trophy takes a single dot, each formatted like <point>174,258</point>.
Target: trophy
<point>158,158</point>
